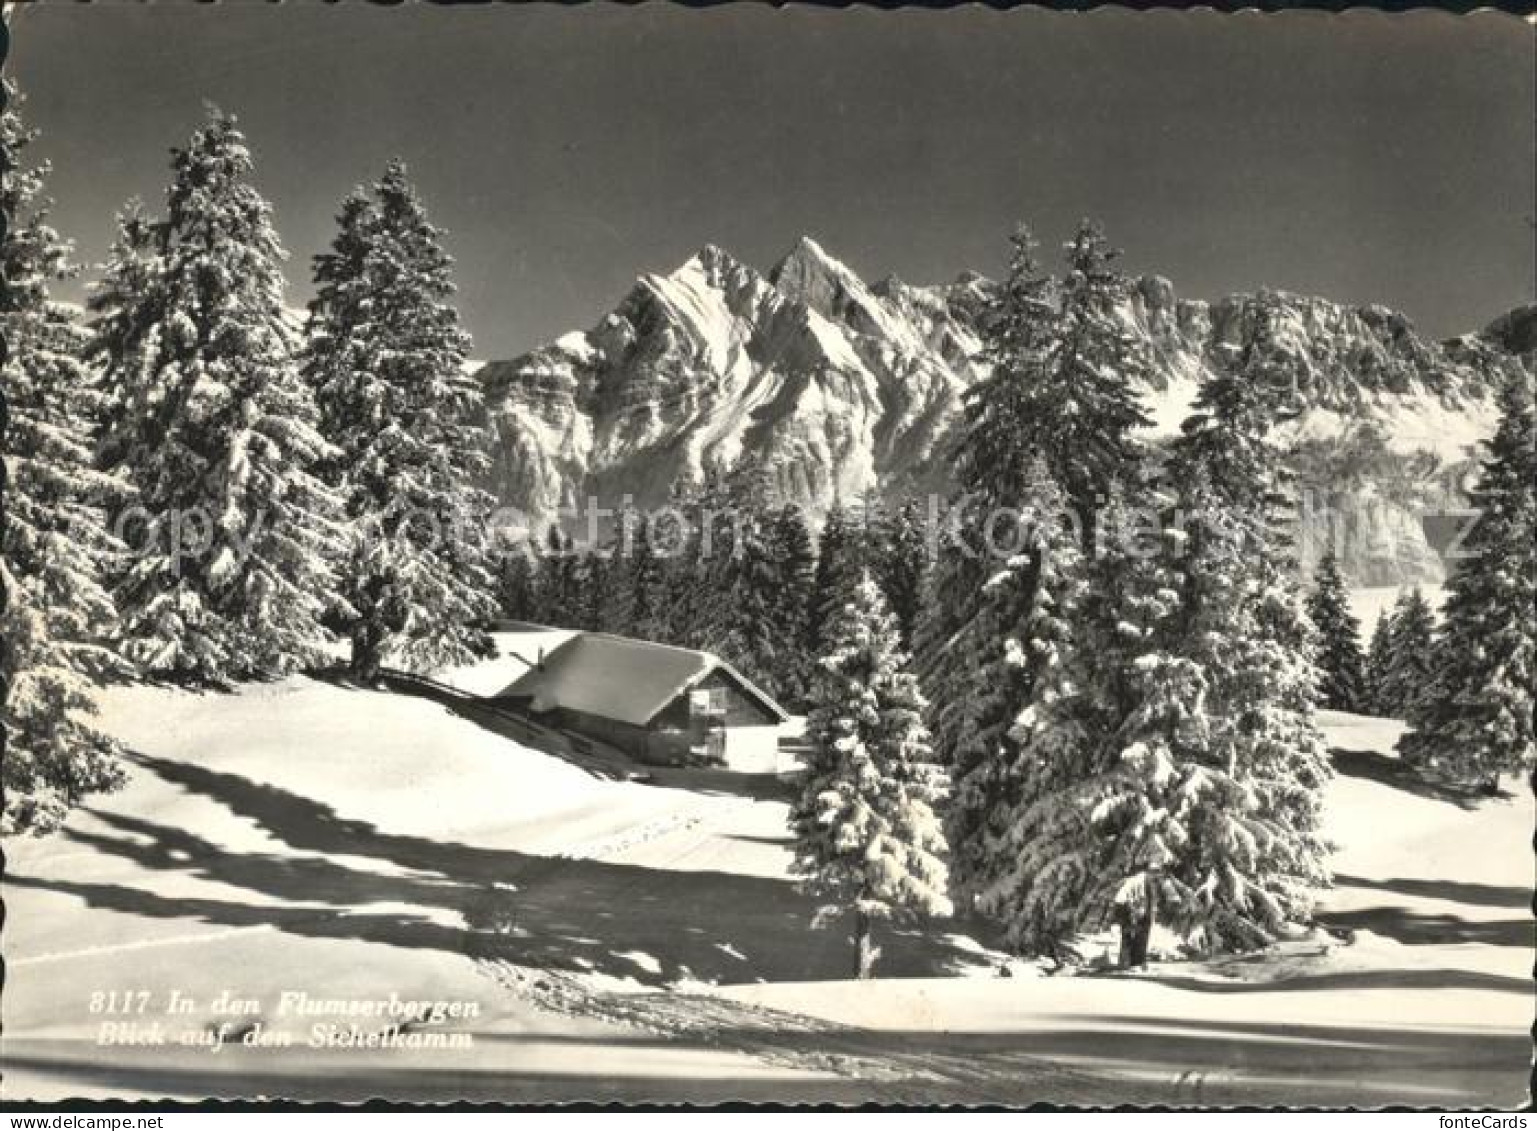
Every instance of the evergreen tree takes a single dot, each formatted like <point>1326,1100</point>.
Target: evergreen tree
<point>56,618</point>
<point>762,579</point>
<point>901,565</point>
<point>1409,665</point>
<point>1265,855</point>
<point>591,582</point>
<point>559,593</point>
<point>1045,435</point>
<point>386,358</point>
<point>1339,635</point>
<point>867,841</point>
<point>1259,855</point>
<point>750,632</point>
<point>1377,658</point>
<point>1226,438</point>
<point>128,303</point>
<point>1473,721</point>
<point>646,579</point>
<point>941,660</point>
<point>1111,727</point>
<point>1021,628</point>
<point>996,448</point>
<point>611,602</point>
<point>211,425</point>
<point>794,559</point>
<point>676,612</point>
<point>1074,374</point>
<point>517,582</point>
<point>840,558</point>
<point>1176,770</point>
<point>698,541</point>
<point>633,596</point>
<point>1063,390</point>
<point>970,629</point>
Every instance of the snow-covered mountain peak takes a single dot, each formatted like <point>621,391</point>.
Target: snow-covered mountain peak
<point>809,275</point>
<point>714,262</point>
<point>808,258</point>
<point>814,277</point>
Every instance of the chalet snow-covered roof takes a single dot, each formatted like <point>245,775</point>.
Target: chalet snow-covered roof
<point>629,681</point>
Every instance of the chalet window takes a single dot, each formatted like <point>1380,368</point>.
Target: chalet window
<point>707,701</point>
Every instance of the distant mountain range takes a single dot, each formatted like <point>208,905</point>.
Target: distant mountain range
<point>835,387</point>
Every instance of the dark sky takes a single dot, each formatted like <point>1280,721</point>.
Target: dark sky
<point>1369,158</point>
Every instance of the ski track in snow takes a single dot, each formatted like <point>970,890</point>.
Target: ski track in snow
<point>147,944</point>
<point>795,1041</point>
<point>616,844</point>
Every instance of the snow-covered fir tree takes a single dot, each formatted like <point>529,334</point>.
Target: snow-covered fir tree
<point>1059,410</point>
<point>1377,663</point>
<point>56,618</point>
<point>1177,773</point>
<point>1080,377</point>
<point>752,630</point>
<point>1226,438</point>
<point>593,569</point>
<point>1408,664</point>
<point>1101,749</point>
<point>1473,721</point>
<point>990,460</point>
<point>951,595</point>
<point>212,426</point>
<point>517,580</point>
<point>841,556</point>
<point>793,553</point>
<point>1339,637</point>
<point>900,564</point>
<point>697,538</point>
<point>1255,854</point>
<point>386,357</point>
<point>1064,389</point>
<point>868,843</point>
<point>1261,856</point>
<point>125,337</point>
<point>631,605</point>
<point>558,593</point>
<point>1020,629</point>
<point>1175,767</point>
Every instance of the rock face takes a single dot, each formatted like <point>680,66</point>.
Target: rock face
<point>833,387</point>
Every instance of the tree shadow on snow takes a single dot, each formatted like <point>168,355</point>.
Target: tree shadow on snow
<point>260,1074</point>
<point>1415,928</point>
<point>1335,980</point>
<point>725,783</point>
<point>653,926</point>
<point>1395,772</point>
<point>1454,891</point>
<point>746,838</point>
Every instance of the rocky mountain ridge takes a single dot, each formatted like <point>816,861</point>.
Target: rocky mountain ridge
<point>835,387</point>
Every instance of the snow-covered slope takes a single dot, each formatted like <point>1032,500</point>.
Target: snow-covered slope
<point>835,387</point>
<point>644,941</point>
